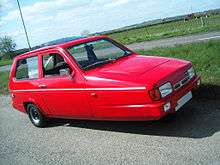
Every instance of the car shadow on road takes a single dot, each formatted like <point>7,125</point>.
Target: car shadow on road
<point>198,119</point>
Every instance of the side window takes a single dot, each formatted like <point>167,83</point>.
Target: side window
<point>54,65</point>
<point>27,68</point>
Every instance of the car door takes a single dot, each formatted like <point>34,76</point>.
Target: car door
<point>63,94</point>
<point>24,82</point>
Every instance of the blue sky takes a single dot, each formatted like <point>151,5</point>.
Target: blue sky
<point>52,19</point>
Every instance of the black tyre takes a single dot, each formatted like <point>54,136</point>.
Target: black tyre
<point>36,116</point>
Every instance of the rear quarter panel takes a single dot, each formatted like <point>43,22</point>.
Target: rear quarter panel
<point>16,87</point>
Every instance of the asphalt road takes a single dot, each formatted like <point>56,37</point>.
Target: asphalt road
<point>175,40</point>
<point>5,68</point>
<point>192,138</point>
<point>162,43</point>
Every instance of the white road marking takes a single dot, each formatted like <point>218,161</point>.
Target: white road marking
<point>201,39</point>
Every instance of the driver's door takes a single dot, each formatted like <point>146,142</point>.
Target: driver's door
<point>62,95</point>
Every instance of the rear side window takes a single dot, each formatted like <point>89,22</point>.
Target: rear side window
<point>27,68</point>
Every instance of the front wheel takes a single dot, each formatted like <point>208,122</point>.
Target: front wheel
<point>36,117</point>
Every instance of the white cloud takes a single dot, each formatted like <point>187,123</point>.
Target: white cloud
<point>16,33</point>
<point>60,10</point>
<point>41,9</point>
<point>116,3</point>
<point>10,16</point>
<point>6,4</point>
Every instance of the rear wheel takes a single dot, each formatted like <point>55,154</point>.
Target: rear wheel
<point>36,117</point>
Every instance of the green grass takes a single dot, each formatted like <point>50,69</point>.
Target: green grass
<point>171,29</point>
<point>205,57</point>
<point>4,77</point>
<point>5,62</point>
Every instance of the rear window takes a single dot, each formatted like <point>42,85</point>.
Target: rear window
<point>27,68</point>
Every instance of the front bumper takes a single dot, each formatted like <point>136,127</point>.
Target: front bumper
<point>156,109</point>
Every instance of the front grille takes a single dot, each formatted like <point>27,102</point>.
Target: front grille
<point>182,82</point>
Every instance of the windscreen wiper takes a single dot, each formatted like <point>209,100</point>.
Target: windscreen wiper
<point>98,63</point>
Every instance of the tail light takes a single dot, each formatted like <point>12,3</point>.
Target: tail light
<point>155,94</point>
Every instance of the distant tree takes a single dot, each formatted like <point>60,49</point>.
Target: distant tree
<point>7,47</point>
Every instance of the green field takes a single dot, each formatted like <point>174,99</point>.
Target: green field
<point>5,62</point>
<point>165,30</point>
<point>204,56</point>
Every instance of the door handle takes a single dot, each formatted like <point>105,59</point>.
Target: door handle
<point>93,94</point>
<point>42,86</point>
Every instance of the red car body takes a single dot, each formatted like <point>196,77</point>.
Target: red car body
<point>119,90</point>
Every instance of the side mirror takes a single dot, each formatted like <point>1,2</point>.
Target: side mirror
<point>66,72</point>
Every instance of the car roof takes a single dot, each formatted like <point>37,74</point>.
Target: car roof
<point>61,43</point>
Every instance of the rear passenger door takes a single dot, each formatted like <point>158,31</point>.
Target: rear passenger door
<point>63,95</point>
<point>25,81</point>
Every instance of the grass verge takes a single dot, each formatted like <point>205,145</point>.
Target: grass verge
<point>4,77</point>
<point>5,62</point>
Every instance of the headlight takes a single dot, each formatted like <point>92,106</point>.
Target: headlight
<point>191,72</point>
<point>165,89</point>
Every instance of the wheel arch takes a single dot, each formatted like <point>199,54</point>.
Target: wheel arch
<point>25,104</point>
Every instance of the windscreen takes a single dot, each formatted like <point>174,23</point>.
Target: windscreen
<point>95,53</point>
